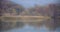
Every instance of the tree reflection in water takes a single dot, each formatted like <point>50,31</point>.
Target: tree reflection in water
<point>48,25</point>
<point>19,24</point>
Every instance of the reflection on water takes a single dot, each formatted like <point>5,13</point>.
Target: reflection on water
<point>47,25</point>
<point>28,28</point>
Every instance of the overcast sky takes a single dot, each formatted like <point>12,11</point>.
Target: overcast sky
<point>28,3</point>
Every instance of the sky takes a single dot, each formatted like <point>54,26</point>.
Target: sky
<point>29,3</point>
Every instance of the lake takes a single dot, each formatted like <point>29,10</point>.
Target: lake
<point>32,28</point>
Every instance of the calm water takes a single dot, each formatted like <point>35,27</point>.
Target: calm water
<point>28,28</point>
